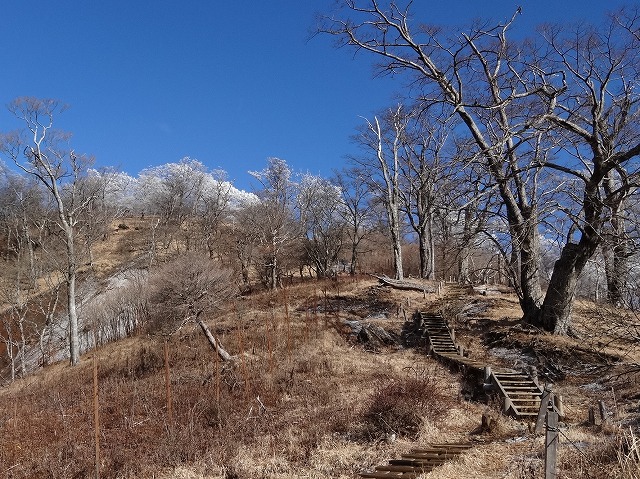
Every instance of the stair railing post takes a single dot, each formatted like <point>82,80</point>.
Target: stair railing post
<point>547,395</point>
<point>507,404</point>
<point>551,446</point>
<point>558,403</point>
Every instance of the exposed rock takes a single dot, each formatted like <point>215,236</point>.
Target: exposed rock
<point>371,334</point>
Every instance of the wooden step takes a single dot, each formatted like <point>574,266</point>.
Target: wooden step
<point>521,388</point>
<point>430,455</point>
<point>447,446</point>
<point>381,474</point>
<point>414,462</point>
<point>416,469</point>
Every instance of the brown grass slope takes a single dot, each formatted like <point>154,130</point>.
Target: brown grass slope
<point>304,398</point>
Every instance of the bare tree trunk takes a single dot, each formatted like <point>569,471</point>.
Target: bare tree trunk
<point>273,282</point>
<point>390,173</point>
<point>615,268</point>
<point>464,276</point>
<point>556,310</point>
<point>397,251</point>
<point>615,251</point>
<point>27,235</point>
<point>531,300</point>
<point>464,253</point>
<point>354,258</point>
<point>74,343</point>
<point>426,247</point>
<point>616,284</point>
<point>22,345</point>
<point>431,274</point>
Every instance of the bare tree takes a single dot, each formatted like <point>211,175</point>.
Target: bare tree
<point>507,95</point>
<point>188,289</point>
<point>422,174</point>
<point>23,218</point>
<point>481,79</point>
<point>39,151</point>
<point>100,187</point>
<point>596,110</point>
<point>356,212</point>
<point>468,217</point>
<point>15,317</point>
<point>244,237</point>
<point>321,221</point>
<point>22,202</point>
<point>381,168</point>
<point>275,226</point>
<point>172,192</point>
<point>213,208</point>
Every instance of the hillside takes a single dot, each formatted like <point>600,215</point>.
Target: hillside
<point>305,397</point>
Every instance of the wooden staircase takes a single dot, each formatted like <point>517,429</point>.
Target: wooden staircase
<point>441,341</point>
<point>418,461</point>
<point>439,335</point>
<point>521,393</point>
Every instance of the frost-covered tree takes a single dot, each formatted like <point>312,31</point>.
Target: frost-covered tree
<point>275,225</point>
<point>357,213</point>
<point>322,222</point>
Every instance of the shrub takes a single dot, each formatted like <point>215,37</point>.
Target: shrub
<point>399,407</point>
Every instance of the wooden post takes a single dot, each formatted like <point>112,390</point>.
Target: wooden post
<point>604,414</point>
<point>558,403</point>
<point>217,365</point>
<point>551,446</point>
<point>594,418</point>
<point>507,405</point>
<point>167,380</point>
<point>460,350</point>
<point>487,374</point>
<point>286,309</point>
<point>547,395</point>
<point>96,414</point>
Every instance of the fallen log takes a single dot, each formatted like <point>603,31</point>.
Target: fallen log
<point>215,344</point>
<point>405,285</point>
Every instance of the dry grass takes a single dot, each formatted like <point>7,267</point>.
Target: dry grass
<point>296,390</point>
<point>302,399</point>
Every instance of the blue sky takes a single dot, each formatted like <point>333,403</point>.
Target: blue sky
<point>229,83</point>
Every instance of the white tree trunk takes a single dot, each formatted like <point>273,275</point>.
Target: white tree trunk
<point>74,343</point>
